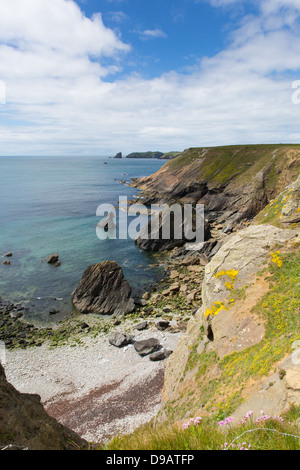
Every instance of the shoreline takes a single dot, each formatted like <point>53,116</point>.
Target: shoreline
<point>87,387</point>
<point>85,382</point>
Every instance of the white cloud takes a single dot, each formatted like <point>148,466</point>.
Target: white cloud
<point>152,33</point>
<point>60,103</point>
<point>117,16</point>
<point>57,25</point>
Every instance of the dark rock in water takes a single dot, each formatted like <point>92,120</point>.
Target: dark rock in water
<point>53,259</point>
<point>58,263</point>
<point>162,325</point>
<point>160,355</point>
<point>142,326</point>
<point>8,255</point>
<point>54,312</point>
<point>164,233</point>
<point>147,346</point>
<point>103,290</point>
<point>119,155</point>
<point>120,339</point>
<point>108,223</point>
<point>6,262</point>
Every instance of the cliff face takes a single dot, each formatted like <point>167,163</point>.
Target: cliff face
<point>24,423</point>
<point>234,183</point>
<point>240,349</point>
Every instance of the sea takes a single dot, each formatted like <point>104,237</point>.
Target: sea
<point>48,205</point>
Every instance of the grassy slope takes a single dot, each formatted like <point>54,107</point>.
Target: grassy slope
<point>279,311</point>
<point>272,434</point>
<point>219,166</point>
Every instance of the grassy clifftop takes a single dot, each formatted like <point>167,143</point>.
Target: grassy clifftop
<point>238,181</point>
<point>221,166</point>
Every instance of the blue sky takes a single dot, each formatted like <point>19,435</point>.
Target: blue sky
<point>164,35</point>
<point>91,77</point>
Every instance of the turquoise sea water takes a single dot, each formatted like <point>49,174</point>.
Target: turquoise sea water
<point>48,205</point>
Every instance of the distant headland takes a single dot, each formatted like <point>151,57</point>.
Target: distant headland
<point>158,155</point>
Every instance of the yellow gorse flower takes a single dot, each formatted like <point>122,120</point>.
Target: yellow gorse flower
<point>276,258</point>
<point>215,309</point>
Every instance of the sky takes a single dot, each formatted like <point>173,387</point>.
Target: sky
<point>97,77</point>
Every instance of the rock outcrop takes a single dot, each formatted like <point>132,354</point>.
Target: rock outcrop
<point>277,393</point>
<point>234,267</point>
<point>168,230</point>
<point>103,290</point>
<point>226,323</point>
<point>53,259</point>
<point>25,424</point>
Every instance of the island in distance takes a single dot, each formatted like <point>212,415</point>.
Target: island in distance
<point>158,155</point>
<point>119,155</point>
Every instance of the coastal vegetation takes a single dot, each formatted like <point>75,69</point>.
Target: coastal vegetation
<point>232,382</point>
<point>265,433</point>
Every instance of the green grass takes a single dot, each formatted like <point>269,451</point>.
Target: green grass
<point>222,164</point>
<point>273,434</point>
<point>278,310</point>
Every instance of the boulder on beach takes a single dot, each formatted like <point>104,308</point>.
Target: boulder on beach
<point>147,346</point>
<point>160,355</point>
<point>142,326</point>
<point>120,339</point>
<point>103,290</point>
<point>162,325</point>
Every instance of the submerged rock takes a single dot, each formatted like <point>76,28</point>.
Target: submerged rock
<point>103,290</point>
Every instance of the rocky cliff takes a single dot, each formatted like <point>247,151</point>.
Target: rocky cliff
<point>241,349</point>
<point>25,424</point>
<point>234,183</point>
